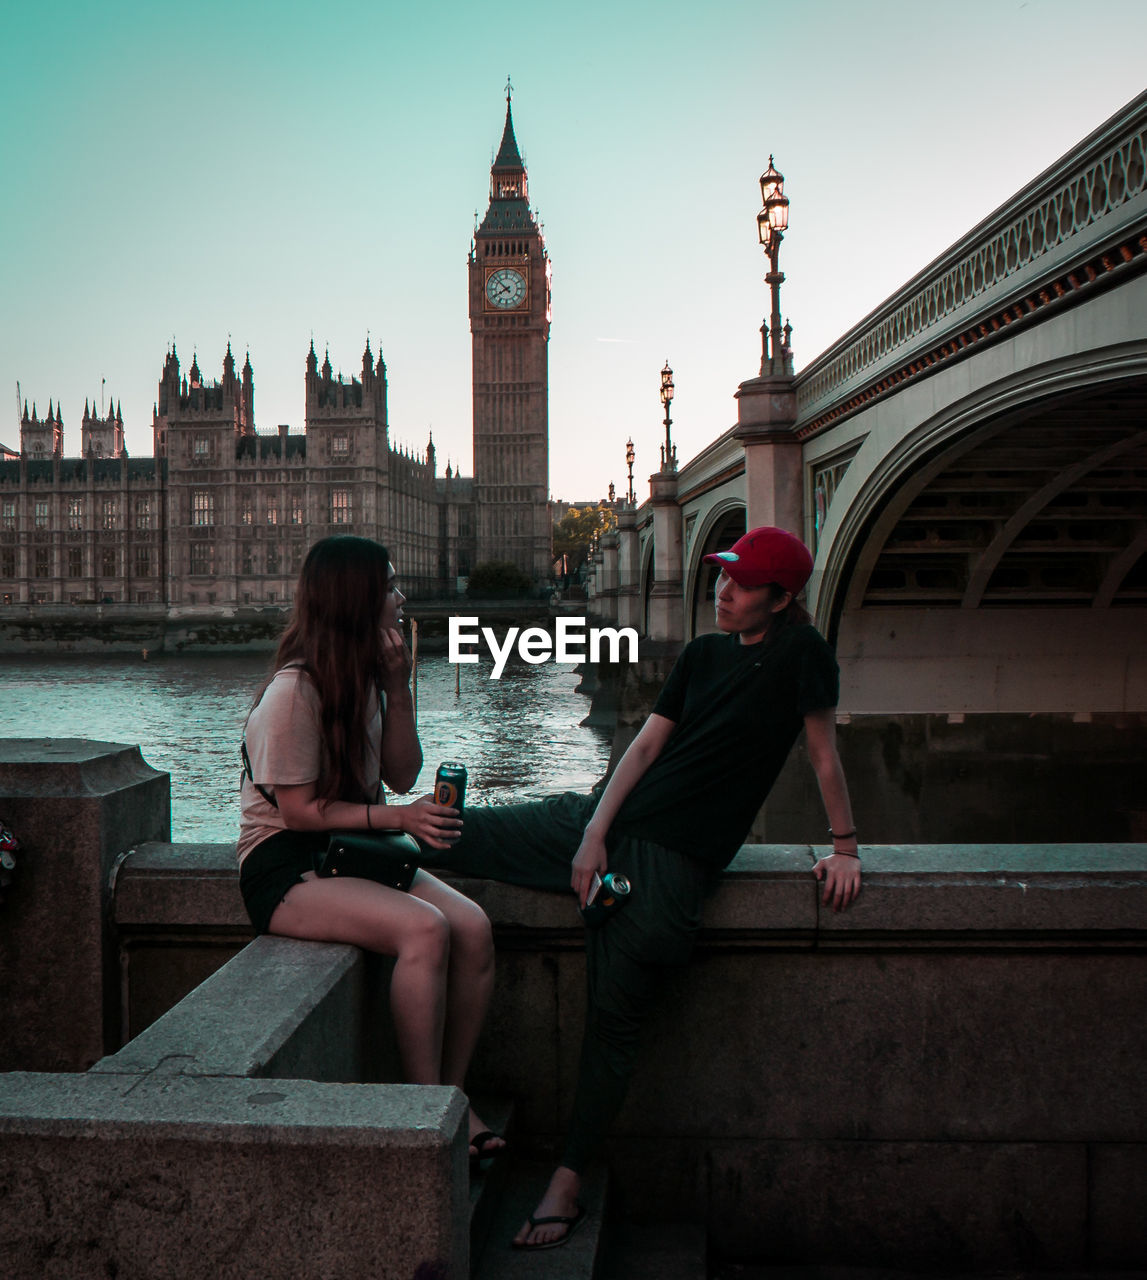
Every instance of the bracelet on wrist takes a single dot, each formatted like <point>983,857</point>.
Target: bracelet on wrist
<point>844,853</point>
<point>369,824</point>
<point>842,835</point>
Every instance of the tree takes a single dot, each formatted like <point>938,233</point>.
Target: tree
<point>498,580</point>
<point>576,531</point>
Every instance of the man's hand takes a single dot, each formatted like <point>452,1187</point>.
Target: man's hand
<point>841,876</point>
<point>432,824</point>
<point>590,858</point>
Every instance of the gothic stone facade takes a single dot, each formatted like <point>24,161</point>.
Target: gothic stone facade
<point>222,514</point>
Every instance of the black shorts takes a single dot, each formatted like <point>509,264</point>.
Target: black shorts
<point>272,867</point>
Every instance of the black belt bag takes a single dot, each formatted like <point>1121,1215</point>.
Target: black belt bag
<point>389,857</point>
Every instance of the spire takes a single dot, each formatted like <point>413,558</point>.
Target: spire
<point>119,413</point>
<point>508,155</point>
<point>312,359</point>
<point>327,365</point>
<point>509,199</point>
<point>51,413</point>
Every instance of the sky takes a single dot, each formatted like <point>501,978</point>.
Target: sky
<point>266,173</point>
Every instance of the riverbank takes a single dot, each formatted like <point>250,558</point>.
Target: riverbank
<point>155,628</point>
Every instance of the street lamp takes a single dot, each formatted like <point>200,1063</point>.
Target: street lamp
<point>630,455</point>
<point>668,452</point>
<point>772,222</point>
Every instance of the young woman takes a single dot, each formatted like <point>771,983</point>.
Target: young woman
<point>335,717</point>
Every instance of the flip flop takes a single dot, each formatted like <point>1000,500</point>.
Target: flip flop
<point>570,1224</point>
<point>480,1142</point>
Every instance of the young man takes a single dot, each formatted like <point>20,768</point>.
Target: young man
<point>671,817</point>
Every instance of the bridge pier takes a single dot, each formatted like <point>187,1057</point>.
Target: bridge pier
<point>666,600</point>
<point>774,488</point>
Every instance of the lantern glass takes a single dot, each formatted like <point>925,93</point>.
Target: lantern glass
<point>778,213</point>
<point>666,384</point>
<point>772,183</point>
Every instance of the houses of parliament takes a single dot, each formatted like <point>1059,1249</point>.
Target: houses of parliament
<point>222,514</point>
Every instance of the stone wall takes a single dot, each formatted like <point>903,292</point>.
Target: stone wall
<point>945,1075</point>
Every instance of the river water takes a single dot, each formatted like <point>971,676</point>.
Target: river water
<point>520,737</point>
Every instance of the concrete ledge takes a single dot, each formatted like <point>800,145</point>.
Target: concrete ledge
<point>974,890</point>
<point>280,1008</point>
<point>965,1042</point>
<point>214,1178</point>
<point>158,885</point>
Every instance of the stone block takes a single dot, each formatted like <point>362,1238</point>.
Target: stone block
<point>909,1206</point>
<point>159,971</point>
<point>75,805</point>
<point>1067,891</point>
<point>766,890</point>
<point>1117,1224</point>
<point>281,1008</point>
<point>227,1179</point>
<point>181,886</point>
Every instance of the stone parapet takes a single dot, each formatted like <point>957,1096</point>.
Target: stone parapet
<point>224,1178</point>
<point>75,806</point>
<point>957,1057</point>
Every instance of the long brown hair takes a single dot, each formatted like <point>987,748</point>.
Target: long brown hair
<point>334,634</point>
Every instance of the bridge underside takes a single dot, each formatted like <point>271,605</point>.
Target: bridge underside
<point>1009,571</point>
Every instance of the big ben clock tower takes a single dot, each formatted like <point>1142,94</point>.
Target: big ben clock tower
<point>510,324</point>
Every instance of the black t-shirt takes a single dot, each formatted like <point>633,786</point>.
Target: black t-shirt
<point>738,709</point>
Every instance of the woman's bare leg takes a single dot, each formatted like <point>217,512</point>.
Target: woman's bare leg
<point>469,983</point>
<point>408,927</point>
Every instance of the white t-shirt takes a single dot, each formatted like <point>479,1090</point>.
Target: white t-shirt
<point>285,747</point>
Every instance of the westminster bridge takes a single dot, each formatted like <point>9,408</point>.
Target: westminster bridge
<point>969,466</point>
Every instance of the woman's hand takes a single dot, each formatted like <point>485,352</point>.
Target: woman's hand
<point>590,858</point>
<point>396,661</point>
<point>841,876</point>
<point>432,824</point>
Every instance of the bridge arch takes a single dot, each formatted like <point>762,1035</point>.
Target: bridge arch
<point>724,523</point>
<point>998,546</point>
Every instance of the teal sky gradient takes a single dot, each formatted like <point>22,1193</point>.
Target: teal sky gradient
<point>272,170</point>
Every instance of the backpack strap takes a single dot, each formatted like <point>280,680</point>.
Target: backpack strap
<point>269,796</point>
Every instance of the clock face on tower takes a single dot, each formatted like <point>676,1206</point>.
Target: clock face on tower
<point>505,288</point>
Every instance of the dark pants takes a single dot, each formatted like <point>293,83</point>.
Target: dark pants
<point>627,957</point>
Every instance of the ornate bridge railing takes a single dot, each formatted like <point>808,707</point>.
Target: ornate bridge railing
<point>1071,231</point>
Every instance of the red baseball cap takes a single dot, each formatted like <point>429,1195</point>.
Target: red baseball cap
<point>766,555</point>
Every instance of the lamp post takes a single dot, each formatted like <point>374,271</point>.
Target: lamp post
<point>630,455</point>
<point>772,222</point>
<point>668,452</point>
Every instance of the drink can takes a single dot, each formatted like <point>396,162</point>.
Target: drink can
<point>450,785</point>
<point>613,894</point>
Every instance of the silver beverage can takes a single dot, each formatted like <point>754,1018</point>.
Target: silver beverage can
<point>613,892</point>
